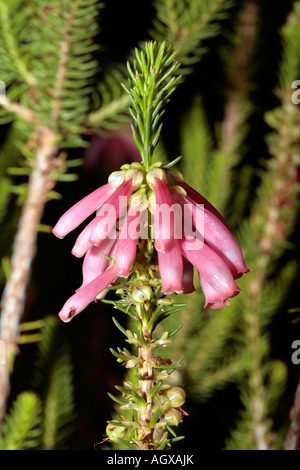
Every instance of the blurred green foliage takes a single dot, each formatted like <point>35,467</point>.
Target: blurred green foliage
<point>233,121</point>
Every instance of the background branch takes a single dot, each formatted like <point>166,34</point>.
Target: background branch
<point>14,295</point>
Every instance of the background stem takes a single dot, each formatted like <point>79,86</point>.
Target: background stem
<point>13,299</point>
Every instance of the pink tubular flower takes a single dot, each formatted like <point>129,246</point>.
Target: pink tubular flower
<point>87,294</point>
<point>188,233</point>
<point>95,261</point>
<point>216,235</point>
<point>206,243</point>
<point>83,244</point>
<point>82,210</point>
<point>97,270</point>
<point>110,212</point>
<point>213,270</point>
<point>127,242</point>
<point>212,296</point>
<point>164,216</point>
<point>171,269</point>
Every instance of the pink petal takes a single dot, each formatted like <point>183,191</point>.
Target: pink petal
<point>212,268</point>
<point>87,294</point>
<point>164,216</point>
<point>127,242</point>
<point>199,199</point>
<point>213,298</point>
<point>83,244</point>
<point>95,263</point>
<point>74,216</point>
<point>110,212</point>
<point>171,269</point>
<point>217,236</point>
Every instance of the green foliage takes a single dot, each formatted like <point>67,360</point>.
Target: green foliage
<point>55,387</point>
<point>243,329</point>
<point>110,103</point>
<point>151,83</point>
<point>15,62</point>
<point>42,419</point>
<point>51,65</point>
<point>290,66</point>
<point>55,80</point>
<point>21,427</point>
<point>186,24</point>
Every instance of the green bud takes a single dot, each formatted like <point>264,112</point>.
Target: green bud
<point>137,166</point>
<point>164,340</point>
<point>117,177</point>
<point>176,396</point>
<point>163,375</point>
<point>174,176</point>
<point>138,200</point>
<point>133,362</point>
<point>141,293</point>
<point>173,417</point>
<point>155,173</point>
<point>126,166</point>
<point>177,190</point>
<point>115,432</point>
<point>137,177</point>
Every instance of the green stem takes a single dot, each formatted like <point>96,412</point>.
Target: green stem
<point>152,79</point>
<point>146,384</point>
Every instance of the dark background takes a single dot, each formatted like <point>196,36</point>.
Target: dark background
<point>56,272</point>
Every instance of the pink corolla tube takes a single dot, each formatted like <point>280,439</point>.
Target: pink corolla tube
<point>80,211</point>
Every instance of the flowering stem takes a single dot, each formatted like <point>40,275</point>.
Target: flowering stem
<point>151,414</point>
<point>146,384</point>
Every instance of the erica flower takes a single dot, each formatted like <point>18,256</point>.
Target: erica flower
<point>98,240</point>
<point>187,232</point>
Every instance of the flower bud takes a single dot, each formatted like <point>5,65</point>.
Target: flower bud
<point>164,340</point>
<point>173,417</point>
<point>162,375</point>
<point>129,385</point>
<point>174,176</point>
<point>133,362</point>
<point>115,432</point>
<point>116,178</point>
<point>137,177</point>
<point>176,396</point>
<point>155,173</point>
<point>141,293</point>
<point>138,199</point>
<point>175,190</point>
<point>137,166</point>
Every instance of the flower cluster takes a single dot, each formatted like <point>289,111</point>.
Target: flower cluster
<point>187,232</point>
